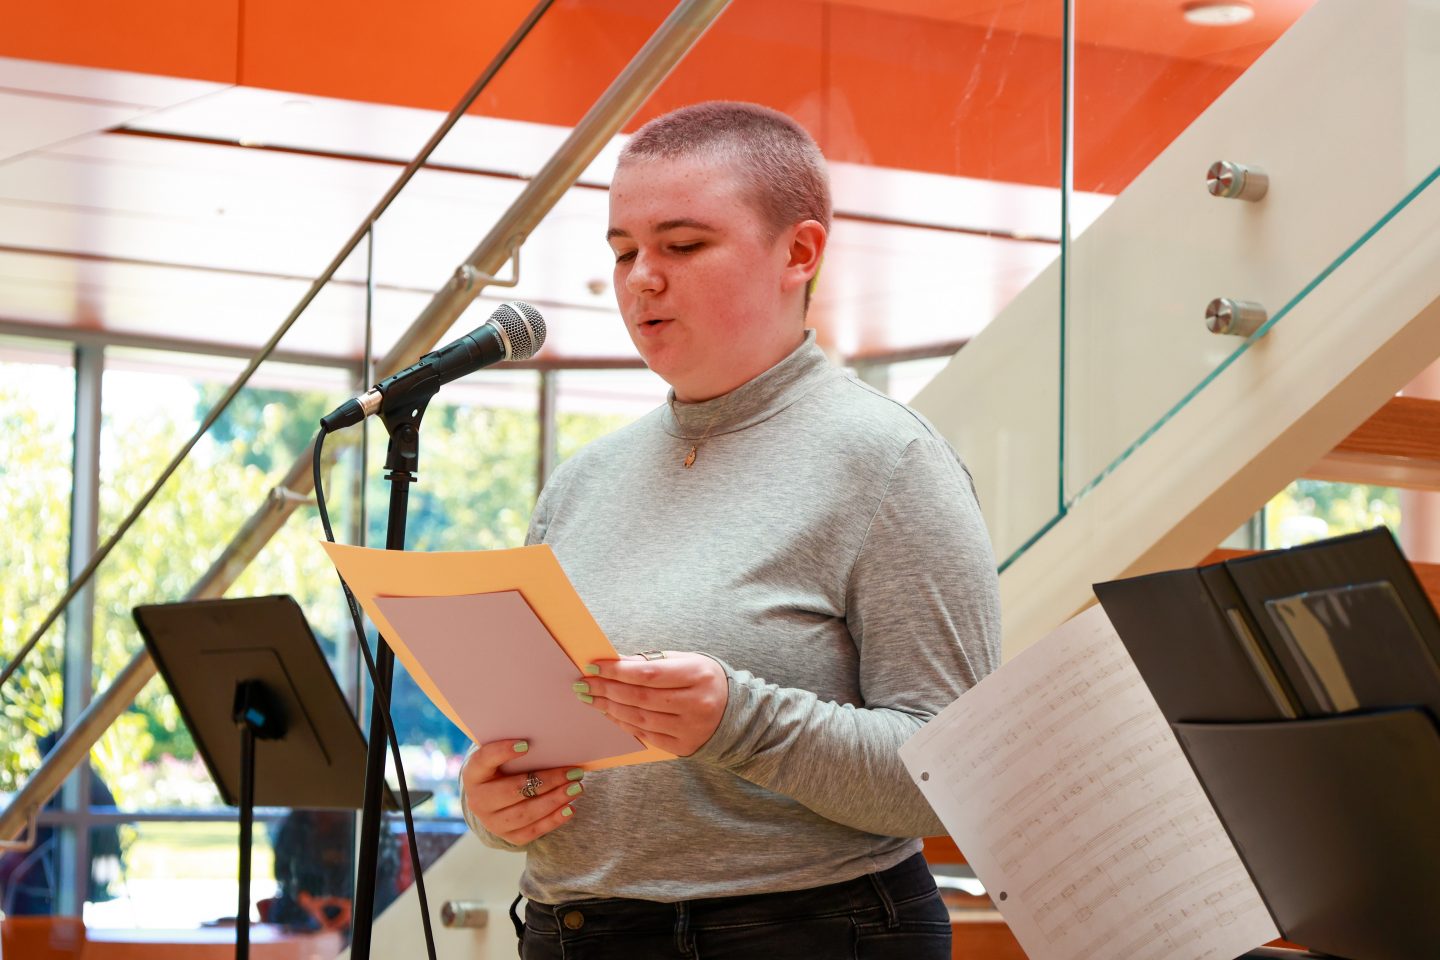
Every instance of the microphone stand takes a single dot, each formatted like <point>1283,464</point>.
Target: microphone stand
<point>402,417</point>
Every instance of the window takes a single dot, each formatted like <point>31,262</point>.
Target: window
<point>37,412</point>
<point>1309,510</point>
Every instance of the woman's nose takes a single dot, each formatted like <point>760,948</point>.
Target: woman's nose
<point>643,277</point>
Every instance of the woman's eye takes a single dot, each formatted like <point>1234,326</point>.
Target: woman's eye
<point>625,257</point>
<point>685,247</point>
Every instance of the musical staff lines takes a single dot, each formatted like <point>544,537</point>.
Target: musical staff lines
<point>1066,790</point>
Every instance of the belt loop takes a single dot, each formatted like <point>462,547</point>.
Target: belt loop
<point>683,946</point>
<point>892,919</point>
<point>515,917</point>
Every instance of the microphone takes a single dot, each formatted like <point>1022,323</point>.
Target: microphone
<point>515,331</point>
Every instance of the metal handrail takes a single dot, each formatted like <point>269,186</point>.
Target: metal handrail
<point>78,583</point>
<point>645,72</point>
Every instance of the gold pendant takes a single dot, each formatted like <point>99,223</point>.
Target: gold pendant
<point>690,458</point>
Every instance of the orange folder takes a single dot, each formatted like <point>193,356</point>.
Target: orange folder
<point>375,576</point>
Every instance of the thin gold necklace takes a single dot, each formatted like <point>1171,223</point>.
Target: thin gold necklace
<point>694,447</point>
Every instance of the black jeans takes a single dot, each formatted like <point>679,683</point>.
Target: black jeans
<point>893,915</point>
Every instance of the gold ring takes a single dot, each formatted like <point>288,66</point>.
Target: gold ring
<point>532,786</point>
<point>653,654</point>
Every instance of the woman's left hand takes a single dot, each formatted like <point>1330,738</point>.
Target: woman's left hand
<point>674,703</point>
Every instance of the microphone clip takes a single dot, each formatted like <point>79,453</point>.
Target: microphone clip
<point>402,410</point>
<point>412,387</point>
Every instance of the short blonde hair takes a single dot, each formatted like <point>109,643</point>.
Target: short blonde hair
<point>772,154</point>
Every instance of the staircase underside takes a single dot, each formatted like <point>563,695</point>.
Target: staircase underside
<point>1399,446</point>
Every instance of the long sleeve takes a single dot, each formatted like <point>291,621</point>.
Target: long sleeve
<point>923,610</point>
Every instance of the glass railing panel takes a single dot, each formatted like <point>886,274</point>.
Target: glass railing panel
<point>943,132</point>
<point>1299,91</point>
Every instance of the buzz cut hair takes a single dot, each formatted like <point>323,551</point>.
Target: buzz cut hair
<point>776,159</point>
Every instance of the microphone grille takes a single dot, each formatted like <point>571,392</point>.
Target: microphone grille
<point>524,328</point>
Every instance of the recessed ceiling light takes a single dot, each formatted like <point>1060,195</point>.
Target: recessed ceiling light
<point>1217,13</point>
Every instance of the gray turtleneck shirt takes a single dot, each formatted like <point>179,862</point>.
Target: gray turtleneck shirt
<point>827,549</point>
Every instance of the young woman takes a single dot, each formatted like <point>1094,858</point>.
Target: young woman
<point>805,564</point>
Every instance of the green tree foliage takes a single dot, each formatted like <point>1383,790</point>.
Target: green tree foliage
<point>477,480</point>
<point>574,430</point>
<point>1309,510</point>
<point>35,453</point>
<point>476,489</point>
<point>227,477</point>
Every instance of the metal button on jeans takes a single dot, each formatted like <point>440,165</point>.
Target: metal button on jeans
<point>573,920</point>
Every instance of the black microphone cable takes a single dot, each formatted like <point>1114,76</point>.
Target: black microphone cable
<point>384,703</point>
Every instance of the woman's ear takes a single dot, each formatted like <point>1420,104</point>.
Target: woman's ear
<point>806,250</point>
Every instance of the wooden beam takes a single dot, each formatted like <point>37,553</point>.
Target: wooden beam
<point>1397,447</point>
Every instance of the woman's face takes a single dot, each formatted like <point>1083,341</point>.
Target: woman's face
<point>707,294</point>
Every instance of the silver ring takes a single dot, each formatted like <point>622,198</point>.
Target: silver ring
<point>653,654</point>
<point>532,786</point>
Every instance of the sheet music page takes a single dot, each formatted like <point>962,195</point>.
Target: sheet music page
<point>1064,787</point>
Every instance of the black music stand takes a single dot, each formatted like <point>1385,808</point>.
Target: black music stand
<point>263,708</point>
<point>1304,687</point>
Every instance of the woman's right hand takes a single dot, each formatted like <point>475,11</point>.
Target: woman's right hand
<point>501,808</point>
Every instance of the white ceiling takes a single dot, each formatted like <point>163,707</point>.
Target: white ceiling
<point>207,214</point>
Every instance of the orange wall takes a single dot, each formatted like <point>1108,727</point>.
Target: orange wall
<point>873,86</point>
<point>176,38</point>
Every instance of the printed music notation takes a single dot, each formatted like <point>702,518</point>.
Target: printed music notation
<point>1062,784</point>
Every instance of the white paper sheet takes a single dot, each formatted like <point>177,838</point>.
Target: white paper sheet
<point>1062,784</point>
<point>505,676</point>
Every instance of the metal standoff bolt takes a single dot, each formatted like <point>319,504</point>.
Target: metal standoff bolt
<point>467,276</point>
<point>1238,318</point>
<point>1235,181</point>
<point>464,913</point>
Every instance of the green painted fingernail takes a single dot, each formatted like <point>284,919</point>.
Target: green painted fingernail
<point>573,790</point>
<point>581,687</point>
<point>585,698</point>
<point>521,747</point>
<point>591,669</point>
<point>566,812</point>
<point>576,774</point>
